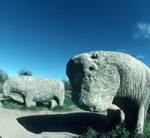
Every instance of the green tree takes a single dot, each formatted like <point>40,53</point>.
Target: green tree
<point>67,84</point>
<point>3,78</point>
<point>25,72</point>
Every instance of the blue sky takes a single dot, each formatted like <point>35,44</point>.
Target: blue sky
<point>41,35</point>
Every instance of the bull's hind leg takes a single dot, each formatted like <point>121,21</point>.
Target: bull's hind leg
<point>6,89</point>
<point>17,97</point>
<point>140,120</point>
<point>53,103</point>
<point>143,109</point>
<point>61,101</point>
<point>29,102</point>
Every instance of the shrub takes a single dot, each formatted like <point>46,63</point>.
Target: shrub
<point>119,132</point>
<point>91,133</point>
<point>67,84</point>
<point>147,127</point>
<point>67,103</point>
<point>61,109</point>
<point>11,104</point>
<point>1,88</point>
<point>3,76</point>
<point>25,72</point>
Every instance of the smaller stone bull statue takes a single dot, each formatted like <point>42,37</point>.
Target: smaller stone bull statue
<point>30,90</point>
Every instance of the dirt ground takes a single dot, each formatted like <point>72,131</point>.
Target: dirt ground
<point>10,127</point>
<point>47,123</point>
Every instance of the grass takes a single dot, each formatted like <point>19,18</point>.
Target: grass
<point>147,127</point>
<point>119,132</point>
<point>61,109</point>
<point>67,104</point>
<point>10,104</point>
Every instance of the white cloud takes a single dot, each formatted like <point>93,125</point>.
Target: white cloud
<point>142,30</point>
<point>140,57</point>
<point>122,50</point>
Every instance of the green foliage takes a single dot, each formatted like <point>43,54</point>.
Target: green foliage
<point>119,132</point>
<point>91,133</point>
<point>68,100</point>
<point>25,72</point>
<point>61,109</point>
<point>1,88</point>
<point>3,76</point>
<point>67,84</point>
<point>67,104</point>
<point>147,127</point>
<point>10,104</point>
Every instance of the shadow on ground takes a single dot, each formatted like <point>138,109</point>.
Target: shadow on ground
<point>71,122</point>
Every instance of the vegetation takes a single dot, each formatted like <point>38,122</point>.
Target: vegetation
<point>91,133</point>
<point>25,72</point>
<point>147,127</point>
<point>67,85</point>
<point>68,101</point>
<point>11,104</point>
<point>3,78</point>
<point>68,104</point>
<point>119,132</point>
<point>61,109</point>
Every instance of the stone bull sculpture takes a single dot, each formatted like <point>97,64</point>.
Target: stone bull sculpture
<point>104,80</point>
<point>30,90</point>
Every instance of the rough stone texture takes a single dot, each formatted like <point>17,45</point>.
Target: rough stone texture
<point>102,79</point>
<point>30,90</point>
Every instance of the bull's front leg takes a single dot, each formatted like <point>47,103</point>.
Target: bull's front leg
<point>29,101</point>
<point>53,103</point>
<point>17,97</point>
<point>140,120</point>
<point>142,112</point>
<point>61,102</point>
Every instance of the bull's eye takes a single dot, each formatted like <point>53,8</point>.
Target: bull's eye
<point>91,68</point>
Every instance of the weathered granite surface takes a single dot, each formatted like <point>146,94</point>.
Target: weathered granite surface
<point>30,90</point>
<point>103,80</point>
